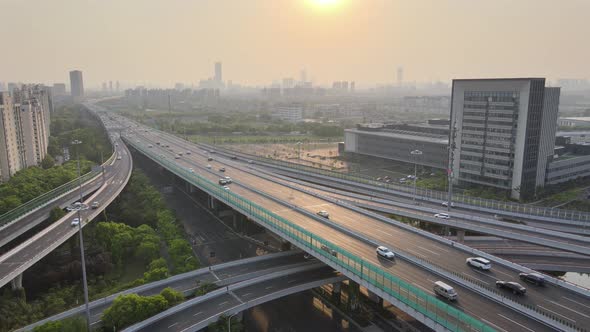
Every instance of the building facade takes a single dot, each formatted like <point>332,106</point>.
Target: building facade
<point>76,84</point>
<point>24,128</point>
<point>497,125</point>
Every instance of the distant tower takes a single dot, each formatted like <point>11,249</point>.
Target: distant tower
<point>111,86</point>
<point>118,86</point>
<point>218,77</point>
<point>400,76</point>
<point>303,76</point>
<point>76,84</point>
<point>352,86</point>
<point>104,86</point>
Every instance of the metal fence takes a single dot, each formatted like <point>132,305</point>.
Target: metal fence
<point>412,296</point>
<point>432,194</point>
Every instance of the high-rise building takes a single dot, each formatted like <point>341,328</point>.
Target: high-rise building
<point>303,76</point>
<point>400,76</point>
<point>111,86</point>
<point>118,86</point>
<point>501,133</point>
<point>104,86</point>
<point>2,87</point>
<point>59,89</point>
<point>218,75</point>
<point>76,84</point>
<point>24,128</point>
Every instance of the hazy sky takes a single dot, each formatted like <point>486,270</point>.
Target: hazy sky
<point>167,41</point>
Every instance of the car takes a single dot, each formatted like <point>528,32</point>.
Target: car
<point>533,278</point>
<point>479,262</point>
<point>158,143</point>
<point>177,157</point>
<point>226,187</point>
<point>328,250</point>
<point>118,157</point>
<point>233,157</point>
<point>378,179</point>
<point>442,216</point>
<point>402,180</point>
<point>227,179</point>
<point>180,153</point>
<point>385,252</point>
<point>223,182</point>
<point>222,169</point>
<point>250,161</point>
<point>150,146</point>
<point>191,170</point>
<point>446,204</point>
<point>209,159</point>
<point>188,152</point>
<point>324,213</point>
<point>445,290</point>
<point>208,166</point>
<point>95,205</point>
<point>512,286</point>
<point>308,256</point>
<point>75,222</point>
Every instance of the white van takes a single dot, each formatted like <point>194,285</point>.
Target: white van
<point>445,291</point>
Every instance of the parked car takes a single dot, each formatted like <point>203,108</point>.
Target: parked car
<point>324,214</point>
<point>385,252</point>
<point>512,286</point>
<point>75,222</point>
<point>442,216</point>
<point>95,205</point>
<point>479,262</point>
<point>533,278</point>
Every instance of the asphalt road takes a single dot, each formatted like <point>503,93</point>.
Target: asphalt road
<point>474,304</point>
<point>31,250</point>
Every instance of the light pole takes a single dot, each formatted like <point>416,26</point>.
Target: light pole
<point>79,206</point>
<point>229,322</point>
<point>415,153</point>
<point>299,150</point>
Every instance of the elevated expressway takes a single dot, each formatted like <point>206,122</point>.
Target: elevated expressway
<point>347,241</point>
<point>221,275</point>
<point>14,262</point>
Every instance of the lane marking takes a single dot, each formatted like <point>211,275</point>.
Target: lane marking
<point>173,325</point>
<point>269,287</point>
<point>492,324</point>
<point>515,322</point>
<point>583,305</point>
<point>416,253</point>
<point>424,289</point>
<point>434,252</point>
<point>222,303</point>
<point>504,273</point>
<point>570,309</point>
<point>556,313</point>
<point>98,321</point>
<point>247,294</point>
<point>291,281</point>
<point>215,275</point>
<point>198,313</point>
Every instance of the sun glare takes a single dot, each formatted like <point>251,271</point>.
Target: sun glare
<point>325,3</point>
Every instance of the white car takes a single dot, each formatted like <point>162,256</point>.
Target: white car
<point>442,216</point>
<point>191,170</point>
<point>226,187</point>
<point>479,262</point>
<point>324,214</point>
<point>75,222</point>
<point>446,204</point>
<point>209,166</point>
<point>385,252</point>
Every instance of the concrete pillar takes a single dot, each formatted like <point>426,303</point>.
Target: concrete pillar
<point>17,282</point>
<point>353,296</point>
<point>460,235</point>
<point>336,292</point>
<point>375,298</point>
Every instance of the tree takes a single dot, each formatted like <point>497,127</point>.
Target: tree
<point>47,162</point>
<point>172,296</point>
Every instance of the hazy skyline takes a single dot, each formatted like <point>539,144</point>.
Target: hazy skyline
<point>167,41</point>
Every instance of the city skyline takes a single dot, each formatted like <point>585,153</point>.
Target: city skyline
<point>262,41</point>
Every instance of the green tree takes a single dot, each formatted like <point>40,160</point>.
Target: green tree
<point>172,296</point>
<point>47,162</point>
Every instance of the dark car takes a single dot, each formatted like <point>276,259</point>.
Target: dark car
<point>515,287</point>
<point>533,278</point>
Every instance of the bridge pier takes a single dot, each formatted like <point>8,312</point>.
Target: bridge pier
<point>375,298</point>
<point>336,292</point>
<point>238,221</point>
<point>353,295</point>
<point>461,236</point>
<point>211,202</point>
<point>17,282</point>
<point>285,245</point>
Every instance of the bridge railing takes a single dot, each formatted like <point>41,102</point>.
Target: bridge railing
<point>417,299</point>
<point>432,194</point>
<point>47,197</point>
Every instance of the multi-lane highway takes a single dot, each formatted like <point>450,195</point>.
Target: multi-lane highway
<point>279,199</point>
<point>20,258</point>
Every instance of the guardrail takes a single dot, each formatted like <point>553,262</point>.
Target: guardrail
<point>428,193</point>
<point>412,296</point>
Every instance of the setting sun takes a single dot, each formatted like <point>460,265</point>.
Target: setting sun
<point>325,3</point>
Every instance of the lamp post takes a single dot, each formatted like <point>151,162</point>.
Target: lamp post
<point>229,322</point>
<point>415,153</point>
<point>299,150</point>
<point>79,206</point>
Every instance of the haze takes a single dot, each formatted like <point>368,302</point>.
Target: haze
<point>166,41</point>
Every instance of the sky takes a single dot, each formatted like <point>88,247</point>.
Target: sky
<point>258,41</point>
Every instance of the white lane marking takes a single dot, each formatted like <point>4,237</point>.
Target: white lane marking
<point>269,287</point>
<point>556,313</point>
<point>568,308</point>
<point>515,322</point>
<point>434,252</point>
<point>440,248</point>
<point>474,277</point>
<point>583,305</point>
<point>222,303</point>
<point>416,253</point>
<point>504,273</point>
<point>215,275</point>
<point>492,324</point>
<point>98,321</point>
<point>291,281</point>
<point>198,313</point>
<point>247,294</point>
<point>173,325</point>
<point>483,274</point>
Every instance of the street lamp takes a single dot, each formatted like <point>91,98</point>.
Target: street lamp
<point>79,206</point>
<point>415,153</point>
<point>299,150</point>
<point>229,322</point>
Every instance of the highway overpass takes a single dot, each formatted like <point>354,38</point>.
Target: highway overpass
<point>14,262</point>
<point>351,236</point>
